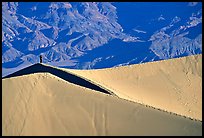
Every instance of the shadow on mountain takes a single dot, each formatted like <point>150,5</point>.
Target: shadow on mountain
<point>39,68</point>
<point>114,53</point>
<point>12,64</point>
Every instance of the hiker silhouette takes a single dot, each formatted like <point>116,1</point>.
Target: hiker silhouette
<point>40,58</point>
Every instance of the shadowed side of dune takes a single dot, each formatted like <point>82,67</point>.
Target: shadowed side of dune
<point>39,68</point>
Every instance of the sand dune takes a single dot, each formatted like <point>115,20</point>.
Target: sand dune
<point>44,104</point>
<point>173,85</point>
<point>41,68</point>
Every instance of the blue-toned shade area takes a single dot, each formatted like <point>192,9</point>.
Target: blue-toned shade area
<point>85,35</point>
<point>132,14</point>
<point>115,53</point>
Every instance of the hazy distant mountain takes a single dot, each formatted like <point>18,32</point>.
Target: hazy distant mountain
<point>88,35</point>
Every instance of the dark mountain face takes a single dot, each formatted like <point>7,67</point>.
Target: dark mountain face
<point>88,35</point>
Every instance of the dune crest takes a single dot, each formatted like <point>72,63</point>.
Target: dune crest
<point>44,104</point>
<point>173,85</point>
<point>40,68</point>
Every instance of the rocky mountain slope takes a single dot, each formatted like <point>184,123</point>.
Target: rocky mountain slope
<point>90,35</point>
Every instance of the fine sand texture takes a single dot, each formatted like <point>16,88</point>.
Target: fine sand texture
<point>173,85</point>
<point>44,104</point>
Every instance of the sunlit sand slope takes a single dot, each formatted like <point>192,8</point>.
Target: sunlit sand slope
<point>43,104</point>
<point>173,85</point>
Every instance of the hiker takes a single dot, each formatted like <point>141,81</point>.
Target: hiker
<point>40,58</point>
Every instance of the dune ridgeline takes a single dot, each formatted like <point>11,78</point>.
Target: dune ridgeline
<point>157,98</point>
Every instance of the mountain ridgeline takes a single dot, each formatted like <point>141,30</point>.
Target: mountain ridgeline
<point>91,35</point>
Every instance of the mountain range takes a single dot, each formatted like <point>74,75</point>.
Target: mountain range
<point>92,35</point>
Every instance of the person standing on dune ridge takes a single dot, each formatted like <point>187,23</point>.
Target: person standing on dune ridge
<point>40,58</point>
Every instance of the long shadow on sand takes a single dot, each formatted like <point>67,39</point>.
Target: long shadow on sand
<point>59,73</point>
